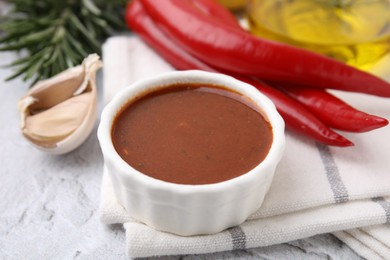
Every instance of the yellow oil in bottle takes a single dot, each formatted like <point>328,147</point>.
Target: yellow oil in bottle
<point>356,32</point>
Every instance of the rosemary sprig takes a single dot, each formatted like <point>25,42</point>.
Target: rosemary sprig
<point>57,34</point>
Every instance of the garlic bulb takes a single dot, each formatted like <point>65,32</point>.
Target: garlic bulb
<point>59,113</point>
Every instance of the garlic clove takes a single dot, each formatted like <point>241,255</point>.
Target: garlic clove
<point>59,121</point>
<point>59,113</point>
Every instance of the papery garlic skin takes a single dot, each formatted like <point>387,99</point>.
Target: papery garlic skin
<point>58,114</point>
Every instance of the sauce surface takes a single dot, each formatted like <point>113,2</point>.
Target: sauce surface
<point>191,134</point>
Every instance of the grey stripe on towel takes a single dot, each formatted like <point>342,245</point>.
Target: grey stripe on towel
<point>238,237</point>
<point>340,192</point>
<point>385,205</point>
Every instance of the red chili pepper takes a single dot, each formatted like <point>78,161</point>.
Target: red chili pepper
<point>225,47</point>
<point>334,112</point>
<point>296,116</point>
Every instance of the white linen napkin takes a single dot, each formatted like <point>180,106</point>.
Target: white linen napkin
<point>316,189</point>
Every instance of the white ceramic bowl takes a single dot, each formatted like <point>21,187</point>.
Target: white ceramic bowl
<point>190,209</point>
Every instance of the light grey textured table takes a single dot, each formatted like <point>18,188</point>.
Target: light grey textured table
<point>49,204</point>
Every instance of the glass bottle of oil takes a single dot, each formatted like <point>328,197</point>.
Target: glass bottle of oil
<point>356,32</point>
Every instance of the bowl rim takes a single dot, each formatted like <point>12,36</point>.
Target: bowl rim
<point>194,76</point>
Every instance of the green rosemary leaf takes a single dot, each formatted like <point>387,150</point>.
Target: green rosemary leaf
<point>58,35</point>
<point>12,36</point>
<point>20,71</point>
<point>17,62</point>
<point>37,36</point>
<point>17,26</point>
<point>74,20</point>
<point>27,40</point>
<point>23,60</point>
<point>16,74</point>
<point>32,70</point>
<point>91,7</point>
<point>90,28</point>
<point>61,61</point>
<point>99,22</point>
<point>54,54</point>
<point>15,46</point>
<point>69,62</point>
<point>76,45</point>
<point>113,20</point>
<point>56,68</point>
<point>44,74</point>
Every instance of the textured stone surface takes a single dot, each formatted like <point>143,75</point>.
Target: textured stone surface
<point>49,204</point>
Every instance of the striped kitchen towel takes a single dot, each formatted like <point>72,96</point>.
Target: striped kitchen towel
<point>316,189</point>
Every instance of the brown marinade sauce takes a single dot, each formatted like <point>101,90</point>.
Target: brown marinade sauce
<point>192,134</point>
